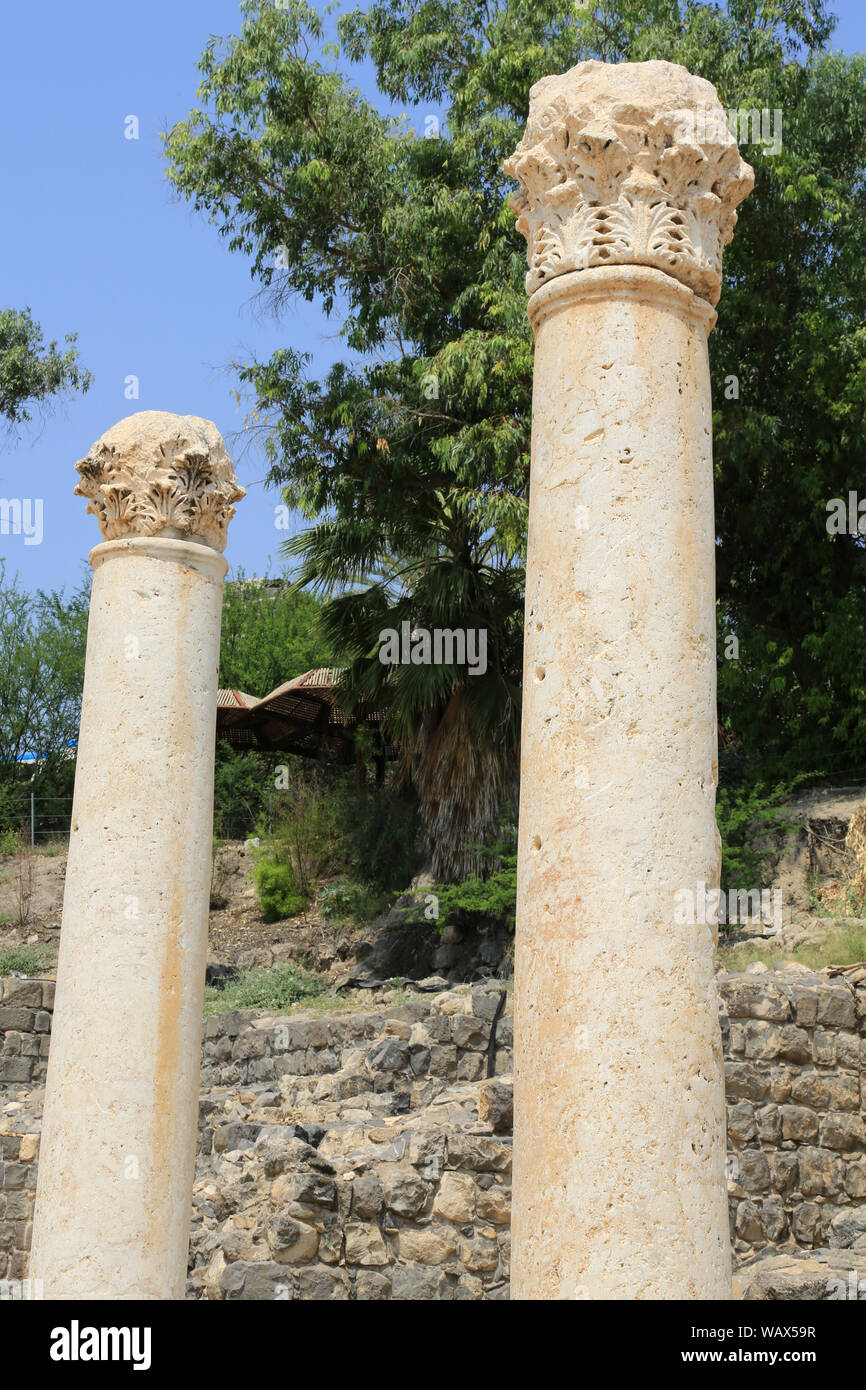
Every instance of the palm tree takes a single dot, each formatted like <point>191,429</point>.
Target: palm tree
<point>444,565</point>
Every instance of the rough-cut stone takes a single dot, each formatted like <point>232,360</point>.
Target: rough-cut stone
<point>456,1198</point>
<point>327,1172</point>
<point>496,1105</point>
<point>365,1245</point>
<point>823,1091</point>
<point>819,1276</point>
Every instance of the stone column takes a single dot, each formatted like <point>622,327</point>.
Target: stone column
<point>121,1106</point>
<point>629,180</point>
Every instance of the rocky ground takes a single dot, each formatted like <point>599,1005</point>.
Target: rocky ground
<point>809,864</point>
<point>400,943</point>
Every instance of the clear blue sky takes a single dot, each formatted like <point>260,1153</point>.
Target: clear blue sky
<point>93,241</point>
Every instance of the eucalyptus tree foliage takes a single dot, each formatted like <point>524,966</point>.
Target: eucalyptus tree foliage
<point>32,371</point>
<point>410,456</point>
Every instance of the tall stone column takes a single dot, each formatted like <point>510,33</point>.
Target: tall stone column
<point>629,180</point>
<point>121,1107</point>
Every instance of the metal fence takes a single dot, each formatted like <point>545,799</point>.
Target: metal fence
<point>50,818</point>
<point>44,819</point>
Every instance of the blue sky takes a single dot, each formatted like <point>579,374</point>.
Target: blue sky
<point>93,240</point>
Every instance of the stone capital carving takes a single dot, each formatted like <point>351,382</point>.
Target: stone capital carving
<point>628,164</point>
<point>157,474</point>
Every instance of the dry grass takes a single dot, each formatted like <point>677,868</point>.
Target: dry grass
<point>844,947</point>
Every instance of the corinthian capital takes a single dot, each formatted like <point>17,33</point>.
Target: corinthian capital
<point>628,164</point>
<point>160,474</point>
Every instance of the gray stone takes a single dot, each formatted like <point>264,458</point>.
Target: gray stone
<point>419,1284</point>
<point>404,1191</point>
<point>320,1283</point>
<point>824,1091</point>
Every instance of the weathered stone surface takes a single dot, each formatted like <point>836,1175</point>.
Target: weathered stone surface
<point>322,1284</point>
<point>607,143</point>
<point>291,1241</point>
<point>821,1276</point>
<point>418,1284</point>
<point>799,1123</point>
<point>255,1282</point>
<point>748,997</point>
<point>821,1172</point>
<point>367,1197</point>
<point>156,474</point>
<point>496,1105</point>
<point>614,306</point>
<point>844,1131</point>
<point>365,1245</point>
<point>823,1091</point>
<point>281,1174</point>
<point>428,1246</point>
<point>135,911</point>
<point>404,1191</point>
<point>746,1081</point>
<point>456,1197</point>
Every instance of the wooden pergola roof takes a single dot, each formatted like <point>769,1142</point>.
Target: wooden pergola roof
<point>302,716</point>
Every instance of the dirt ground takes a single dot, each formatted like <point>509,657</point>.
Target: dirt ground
<point>31,902</point>
<point>808,862</point>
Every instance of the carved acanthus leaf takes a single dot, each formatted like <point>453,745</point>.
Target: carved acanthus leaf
<point>156,473</point>
<point>628,163</point>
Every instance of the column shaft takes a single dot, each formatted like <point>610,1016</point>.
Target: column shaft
<point>118,1146</point>
<point>619,1184</point>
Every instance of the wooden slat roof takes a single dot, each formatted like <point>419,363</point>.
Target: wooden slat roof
<point>301,716</point>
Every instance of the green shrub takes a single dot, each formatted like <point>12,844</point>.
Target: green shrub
<point>351,902</point>
<point>494,896</point>
<point>10,840</point>
<point>277,887</point>
<point>24,960</point>
<point>276,989</point>
<point>379,835</point>
<point>329,826</point>
<point>244,791</point>
<point>744,811</point>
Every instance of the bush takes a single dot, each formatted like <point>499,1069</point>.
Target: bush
<point>244,792</point>
<point>494,896</point>
<point>379,835</point>
<point>743,812</point>
<point>24,960</point>
<point>351,902</point>
<point>277,989</point>
<point>305,827</point>
<point>277,887</point>
<point>329,826</point>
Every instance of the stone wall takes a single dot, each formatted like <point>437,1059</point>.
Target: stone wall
<point>392,1177</point>
<point>25,1024</point>
<point>795,1050</point>
<point>364,1155</point>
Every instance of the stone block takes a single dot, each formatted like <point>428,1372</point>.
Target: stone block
<point>826,1091</point>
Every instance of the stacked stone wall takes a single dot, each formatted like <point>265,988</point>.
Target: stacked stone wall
<point>365,1155</point>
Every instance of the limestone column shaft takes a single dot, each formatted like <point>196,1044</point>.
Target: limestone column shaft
<point>619,1168</point>
<point>118,1145</point>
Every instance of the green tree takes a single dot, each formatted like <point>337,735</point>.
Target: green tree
<point>32,372</point>
<point>42,644</point>
<point>411,455</point>
<point>270,633</point>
